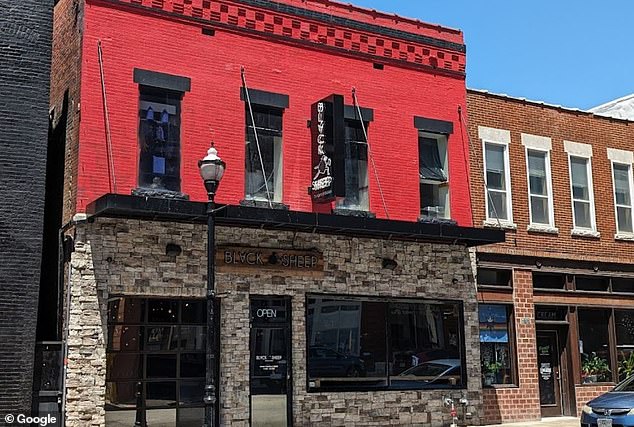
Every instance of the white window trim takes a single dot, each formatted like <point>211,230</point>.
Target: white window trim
<point>502,138</point>
<point>576,149</point>
<point>624,161</point>
<point>540,144</point>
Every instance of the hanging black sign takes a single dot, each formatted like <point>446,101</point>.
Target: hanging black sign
<point>328,150</point>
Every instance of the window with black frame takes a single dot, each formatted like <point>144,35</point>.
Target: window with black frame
<point>356,164</point>
<point>434,175</point>
<point>496,344</point>
<point>155,368</point>
<point>267,122</point>
<point>364,344</point>
<point>159,139</point>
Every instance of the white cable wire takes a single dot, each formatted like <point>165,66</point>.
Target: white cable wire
<point>367,143</point>
<point>255,132</point>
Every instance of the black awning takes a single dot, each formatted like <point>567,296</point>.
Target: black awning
<point>156,209</point>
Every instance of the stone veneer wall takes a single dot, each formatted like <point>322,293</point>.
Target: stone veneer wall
<point>127,257</point>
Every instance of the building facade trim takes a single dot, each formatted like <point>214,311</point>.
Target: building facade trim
<point>620,156</point>
<point>280,21</point>
<point>535,142</point>
<point>433,125</point>
<point>162,80</point>
<point>494,135</point>
<point>578,149</point>
<point>262,97</point>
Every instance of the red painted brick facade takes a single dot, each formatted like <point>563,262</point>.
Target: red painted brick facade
<point>527,251</point>
<point>165,37</point>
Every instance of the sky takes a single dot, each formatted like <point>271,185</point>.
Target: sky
<point>576,54</point>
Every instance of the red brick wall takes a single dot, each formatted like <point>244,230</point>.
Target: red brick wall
<point>165,44</point>
<point>586,393</point>
<point>518,117</point>
<point>521,402</point>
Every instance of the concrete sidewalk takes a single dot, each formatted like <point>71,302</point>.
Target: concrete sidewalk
<point>545,422</point>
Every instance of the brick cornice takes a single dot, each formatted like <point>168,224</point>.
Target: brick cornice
<point>317,29</point>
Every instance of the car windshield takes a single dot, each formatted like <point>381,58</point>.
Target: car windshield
<point>627,385</point>
<point>427,370</point>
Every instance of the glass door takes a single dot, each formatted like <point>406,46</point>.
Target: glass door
<point>270,362</point>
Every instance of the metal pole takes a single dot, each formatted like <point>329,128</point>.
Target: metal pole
<point>211,407</point>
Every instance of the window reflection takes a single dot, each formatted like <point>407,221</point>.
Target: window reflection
<point>495,344</point>
<point>357,343</point>
<point>593,346</point>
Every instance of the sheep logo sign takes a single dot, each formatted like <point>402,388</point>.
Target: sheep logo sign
<point>327,144</point>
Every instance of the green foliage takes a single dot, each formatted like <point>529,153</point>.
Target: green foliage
<point>626,365</point>
<point>491,367</point>
<point>594,365</point>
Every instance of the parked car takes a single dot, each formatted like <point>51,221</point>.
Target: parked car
<point>325,362</point>
<point>612,409</point>
<point>434,373</point>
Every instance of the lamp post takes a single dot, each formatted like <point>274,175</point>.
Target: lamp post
<point>212,168</point>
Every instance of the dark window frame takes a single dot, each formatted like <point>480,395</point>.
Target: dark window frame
<point>353,126</point>
<point>173,143</point>
<point>507,286</point>
<point>143,354</point>
<point>510,319</point>
<point>387,301</point>
<point>267,132</point>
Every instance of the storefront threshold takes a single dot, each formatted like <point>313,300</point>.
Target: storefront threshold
<point>545,422</point>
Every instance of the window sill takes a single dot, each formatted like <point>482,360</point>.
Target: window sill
<point>263,204</point>
<point>538,228</point>
<point>353,212</point>
<point>585,233</point>
<point>504,225</point>
<point>627,237</point>
<point>498,386</point>
<point>159,193</point>
<point>435,220</point>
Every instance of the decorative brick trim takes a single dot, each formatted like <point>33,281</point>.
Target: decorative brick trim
<point>291,23</point>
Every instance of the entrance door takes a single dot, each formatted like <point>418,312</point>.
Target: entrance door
<point>270,362</point>
<point>549,373</point>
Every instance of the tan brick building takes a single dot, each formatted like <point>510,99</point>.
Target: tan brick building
<point>557,298</point>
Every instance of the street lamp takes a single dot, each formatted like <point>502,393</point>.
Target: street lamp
<point>212,168</point>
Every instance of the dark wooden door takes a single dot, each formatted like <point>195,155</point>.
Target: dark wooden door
<point>548,370</point>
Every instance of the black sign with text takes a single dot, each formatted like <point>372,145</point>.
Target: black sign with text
<point>328,150</point>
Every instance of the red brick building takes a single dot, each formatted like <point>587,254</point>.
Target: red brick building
<point>389,286</point>
<point>556,298</point>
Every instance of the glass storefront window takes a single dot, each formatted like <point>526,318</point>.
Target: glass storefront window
<point>494,277</point>
<point>495,344</point>
<point>549,281</point>
<point>624,321</point>
<point>155,367</point>
<point>362,344</point>
<point>594,345</point>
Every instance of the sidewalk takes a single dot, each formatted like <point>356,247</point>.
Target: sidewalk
<point>545,422</point>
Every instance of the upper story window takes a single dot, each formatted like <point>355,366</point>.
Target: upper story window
<point>434,175</point>
<point>356,164</point>
<point>497,177</point>
<point>159,130</point>
<point>579,157</point>
<point>540,194</point>
<point>263,157</point>
<point>433,163</point>
<point>264,163</point>
<point>623,196</point>
<point>622,180</point>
